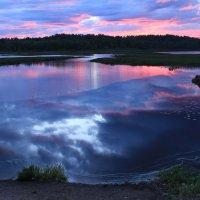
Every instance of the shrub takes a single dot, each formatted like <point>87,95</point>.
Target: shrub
<point>29,174</point>
<point>180,180</point>
<point>54,173</point>
<point>48,173</point>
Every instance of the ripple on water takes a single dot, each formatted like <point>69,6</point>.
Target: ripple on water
<point>187,108</point>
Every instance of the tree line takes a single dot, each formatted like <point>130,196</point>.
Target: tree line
<point>64,42</point>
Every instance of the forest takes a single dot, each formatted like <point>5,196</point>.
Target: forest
<point>65,42</point>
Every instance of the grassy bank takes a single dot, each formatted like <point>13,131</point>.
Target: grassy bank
<point>30,60</point>
<point>181,181</point>
<point>129,57</point>
<point>152,59</point>
<point>50,182</point>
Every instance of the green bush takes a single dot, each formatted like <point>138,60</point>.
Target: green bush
<point>48,173</point>
<point>30,173</point>
<point>180,180</point>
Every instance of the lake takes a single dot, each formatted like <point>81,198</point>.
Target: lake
<point>182,52</point>
<point>103,123</point>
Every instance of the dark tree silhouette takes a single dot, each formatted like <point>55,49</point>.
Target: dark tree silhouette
<point>63,42</point>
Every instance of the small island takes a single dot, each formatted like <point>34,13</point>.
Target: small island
<point>196,80</point>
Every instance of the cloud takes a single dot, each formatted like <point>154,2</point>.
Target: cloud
<point>46,17</point>
<point>75,129</point>
<point>87,130</point>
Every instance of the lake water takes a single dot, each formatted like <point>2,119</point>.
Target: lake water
<point>103,123</point>
<point>29,56</point>
<point>182,52</point>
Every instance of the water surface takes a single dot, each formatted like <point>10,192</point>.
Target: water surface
<point>182,52</point>
<point>103,123</point>
<point>28,56</point>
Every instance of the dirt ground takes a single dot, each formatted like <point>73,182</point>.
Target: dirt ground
<point>13,190</point>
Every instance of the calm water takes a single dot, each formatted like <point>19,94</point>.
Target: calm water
<point>182,52</point>
<point>29,56</point>
<point>103,123</point>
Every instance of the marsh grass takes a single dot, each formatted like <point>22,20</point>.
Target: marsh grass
<point>31,60</point>
<point>180,180</point>
<point>37,173</point>
<point>152,59</point>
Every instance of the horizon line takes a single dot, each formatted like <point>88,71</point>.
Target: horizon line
<point>98,34</point>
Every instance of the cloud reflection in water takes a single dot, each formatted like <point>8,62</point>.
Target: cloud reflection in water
<point>137,124</point>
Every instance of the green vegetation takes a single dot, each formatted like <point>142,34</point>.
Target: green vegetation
<point>63,42</point>
<point>36,173</point>
<point>180,180</point>
<point>196,80</point>
<point>30,60</point>
<point>152,59</point>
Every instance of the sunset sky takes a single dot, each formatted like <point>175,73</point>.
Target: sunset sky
<point>33,18</point>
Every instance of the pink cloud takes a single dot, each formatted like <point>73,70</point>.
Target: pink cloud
<point>75,17</point>
<point>189,7</point>
<point>165,1</point>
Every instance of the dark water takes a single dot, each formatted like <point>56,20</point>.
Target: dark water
<point>29,56</point>
<point>103,123</point>
<point>182,52</point>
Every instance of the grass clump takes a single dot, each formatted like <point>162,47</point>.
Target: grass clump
<point>180,180</point>
<point>37,173</point>
<point>196,80</point>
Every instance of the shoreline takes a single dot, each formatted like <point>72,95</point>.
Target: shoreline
<point>169,185</point>
<point>153,59</point>
<point>14,190</point>
<point>135,58</point>
<point>32,59</point>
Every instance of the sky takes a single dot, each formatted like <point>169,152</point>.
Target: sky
<point>38,18</point>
